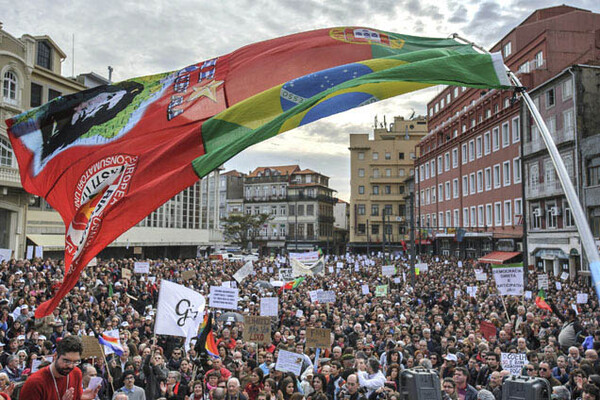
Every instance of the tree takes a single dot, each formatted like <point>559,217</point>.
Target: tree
<point>242,229</point>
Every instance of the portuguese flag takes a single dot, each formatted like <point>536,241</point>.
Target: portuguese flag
<point>106,157</point>
<point>540,301</point>
<point>292,284</point>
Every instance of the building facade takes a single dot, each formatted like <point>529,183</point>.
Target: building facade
<point>469,174</point>
<point>231,194</point>
<point>567,104</point>
<point>341,224</point>
<point>378,168</point>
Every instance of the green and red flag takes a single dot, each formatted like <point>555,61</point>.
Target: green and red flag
<point>292,284</point>
<point>107,157</point>
<point>540,301</point>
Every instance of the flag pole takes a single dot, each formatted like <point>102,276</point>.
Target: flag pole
<point>108,370</point>
<point>585,233</point>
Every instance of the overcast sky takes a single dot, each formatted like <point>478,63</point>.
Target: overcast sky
<point>144,37</point>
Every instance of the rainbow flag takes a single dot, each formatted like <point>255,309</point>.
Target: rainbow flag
<point>111,342</point>
<point>206,339</point>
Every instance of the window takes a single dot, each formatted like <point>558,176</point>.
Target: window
<point>432,168</point>
<point>10,86</point>
<point>455,188</point>
<point>539,60</point>
<point>534,176</point>
<point>300,210</point>
<point>374,210</point>
<point>536,216</point>
<point>388,156</point>
<point>44,55</point>
<point>473,216</point>
<point>471,150</point>
<point>488,178</point>
<point>524,68</point>
<point>472,183</point>
<point>412,155</point>
<point>388,172</point>
<point>36,95</point>
<point>361,229</point>
<point>465,185</point>
<point>505,135</point>
<point>375,155</point>
<point>518,211</point>
<point>456,221</point>
<point>466,217</point>
<point>447,188</point>
<point>433,197</point>
<point>568,220</point>
<point>6,153</point>
<point>496,176</point>
<point>388,189</point>
<point>441,192</point>
<point>400,156</point>
<point>488,215</point>
<point>447,161</point>
<point>517,170</point>
<point>421,170</point>
<point>455,92</point>
<point>401,172</point>
<point>427,197</point>
<point>426,170</point>
<point>508,213</point>
<point>52,94</point>
<point>550,101</point>
<point>361,172</point>
<point>516,129</point>
<point>551,215</point>
<point>549,173</point>
<point>360,209</point>
<point>448,218</point>
<point>464,153</point>
<point>479,181</point>
<point>361,155</point>
<point>507,50</point>
<point>498,213</point>
<point>441,220</point>
<point>568,125</point>
<point>495,139</point>
<point>480,220</point>
<point>506,172</point>
<point>375,229</point>
<point>455,157</point>
<point>361,189</point>
<point>375,189</point>
<point>478,146</point>
<point>567,89</point>
<point>439,165</point>
<point>486,143</point>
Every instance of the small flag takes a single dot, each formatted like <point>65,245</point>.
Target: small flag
<point>111,342</point>
<point>540,301</point>
<point>292,284</point>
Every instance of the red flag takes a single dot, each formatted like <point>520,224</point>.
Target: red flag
<point>540,301</point>
<point>488,330</point>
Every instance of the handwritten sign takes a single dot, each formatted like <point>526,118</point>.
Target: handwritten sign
<point>126,273</point>
<point>187,275</point>
<point>5,254</point>
<point>269,306</point>
<point>141,267</point>
<point>91,347</point>
<point>326,296</point>
<point>222,297</point>
<point>289,362</point>
<point>257,329</point>
<point>388,270</point>
<point>513,362</point>
<point>509,279</point>
<point>480,275</point>
<point>318,338</point>
<point>542,281</point>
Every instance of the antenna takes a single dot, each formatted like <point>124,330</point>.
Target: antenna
<point>110,71</point>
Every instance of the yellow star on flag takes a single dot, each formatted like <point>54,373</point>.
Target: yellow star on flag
<point>209,90</point>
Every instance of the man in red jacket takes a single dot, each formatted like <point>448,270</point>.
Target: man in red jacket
<point>61,380</point>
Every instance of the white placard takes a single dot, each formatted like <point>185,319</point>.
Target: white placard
<point>423,267</point>
<point>141,267</point>
<point>222,297</point>
<point>93,262</point>
<point>314,295</point>
<point>397,279</point>
<point>114,333</point>
<point>564,276</point>
<point>326,296</point>
<point>179,310</point>
<point>513,362</point>
<point>306,258</point>
<point>528,294</point>
<point>29,252</point>
<point>95,381</point>
<point>269,307</point>
<point>265,270</point>
<point>582,298</point>
<point>152,279</point>
<point>243,272</point>
<point>558,285</point>
<point>472,291</point>
<point>457,293</point>
<point>35,364</point>
<point>226,284</point>
<point>460,264</point>
<point>5,254</point>
<point>574,307</point>
<point>388,270</point>
<point>480,276</point>
<point>339,265</point>
<point>289,362</point>
<point>543,281</point>
<point>270,270</point>
<point>331,270</point>
<point>365,289</point>
<point>509,280</point>
<point>299,313</point>
<point>39,251</point>
<point>286,274</point>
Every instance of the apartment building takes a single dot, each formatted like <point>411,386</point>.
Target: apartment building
<point>378,168</point>
<point>469,172</point>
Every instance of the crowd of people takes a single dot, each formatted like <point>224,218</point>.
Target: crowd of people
<point>433,324</point>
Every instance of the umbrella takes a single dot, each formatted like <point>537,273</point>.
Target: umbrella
<point>264,285</point>
<point>231,317</point>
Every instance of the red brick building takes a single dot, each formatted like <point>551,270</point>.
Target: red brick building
<point>469,187</point>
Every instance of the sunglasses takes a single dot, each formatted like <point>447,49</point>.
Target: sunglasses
<point>543,369</point>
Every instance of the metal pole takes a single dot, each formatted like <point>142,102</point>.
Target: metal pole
<point>296,214</point>
<point>368,240</point>
<point>412,239</point>
<point>587,239</point>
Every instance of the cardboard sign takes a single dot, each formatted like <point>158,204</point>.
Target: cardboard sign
<point>318,338</point>
<point>269,306</point>
<point>257,329</point>
<point>388,270</point>
<point>222,297</point>
<point>542,281</point>
<point>91,347</point>
<point>187,275</point>
<point>513,362</point>
<point>141,267</point>
<point>289,362</point>
<point>126,273</point>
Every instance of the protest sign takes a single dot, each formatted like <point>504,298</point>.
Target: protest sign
<point>480,275</point>
<point>460,264</point>
<point>39,251</point>
<point>126,273</point>
<point>141,267</point>
<point>289,362</point>
<point>331,270</point>
<point>187,275</point>
<point>509,279</point>
<point>365,289</point>
<point>269,306</point>
<point>243,272</point>
<point>257,329</point>
<point>528,294</point>
<point>397,279</point>
<point>472,291</point>
<point>29,252</point>
<point>542,281</point>
<point>388,270</point>
<point>564,275</point>
<point>91,347</point>
<point>318,338</point>
<point>326,296</point>
<point>222,297</point>
<point>265,270</point>
<point>286,274</point>
<point>582,298</point>
<point>513,362</point>
<point>306,258</point>
<point>339,265</point>
<point>558,285</point>
<point>5,254</point>
<point>179,310</point>
<point>381,291</point>
<point>423,267</point>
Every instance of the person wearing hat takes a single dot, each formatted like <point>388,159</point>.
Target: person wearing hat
<point>59,332</point>
<point>133,392</point>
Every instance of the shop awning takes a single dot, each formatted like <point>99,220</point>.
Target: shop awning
<point>498,257</point>
<point>551,254</point>
<point>48,242</point>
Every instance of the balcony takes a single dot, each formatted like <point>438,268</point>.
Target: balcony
<point>546,189</point>
<point>292,238</point>
<point>267,238</point>
<point>10,177</point>
<point>561,136</point>
<point>323,218</point>
<point>385,179</point>
<point>266,179</point>
<point>326,199</point>
<point>387,197</point>
<point>266,199</point>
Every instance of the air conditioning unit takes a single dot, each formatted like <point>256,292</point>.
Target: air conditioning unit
<point>519,246</point>
<point>538,212</point>
<point>556,211</point>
